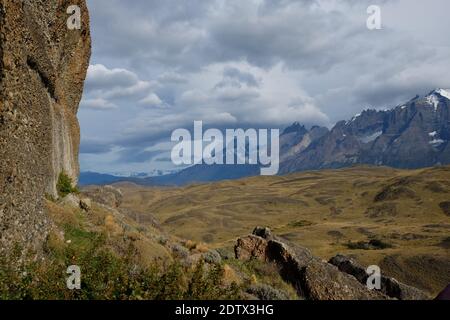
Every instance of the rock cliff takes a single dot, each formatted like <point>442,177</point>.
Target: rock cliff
<point>43,65</point>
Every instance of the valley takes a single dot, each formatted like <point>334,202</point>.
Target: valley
<point>396,219</point>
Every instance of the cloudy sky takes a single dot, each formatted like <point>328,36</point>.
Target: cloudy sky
<point>158,65</point>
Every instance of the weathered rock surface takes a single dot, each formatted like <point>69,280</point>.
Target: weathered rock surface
<point>265,246</point>
<point>108,195</point>
<point>70,200</point>
<point>251,247</point>
<point>86,204</point>
<point>389,286</point>
<point>323,281</point>
<point>42,70</point>
<point>314,279</point>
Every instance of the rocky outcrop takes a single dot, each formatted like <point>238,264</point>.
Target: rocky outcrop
<point>389,286</point>
<point>108,195</point>
<point>42,70</point>
<point>314,279</point>
<point>323,281</point>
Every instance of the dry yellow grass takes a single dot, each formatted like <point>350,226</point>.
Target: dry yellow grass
<point>321,210</point>
<point>122,234</point>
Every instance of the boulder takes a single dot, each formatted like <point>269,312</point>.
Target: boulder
<point>323,281</point>
<point>289,253</point>
<point>71,200</point>
<point>85,204</point>
<point>341,279</point>
<point>106,195</point>
<point>389,286</point>
<point>251,247</point>
<point>263,245</point>
<point>263,232</point>
<point>350,266</point>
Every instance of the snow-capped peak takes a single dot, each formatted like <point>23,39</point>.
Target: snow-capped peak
<point>443,93</point>
<point>433,98</point>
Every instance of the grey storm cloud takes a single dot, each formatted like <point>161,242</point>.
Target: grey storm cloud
<point>159,65</point>
<point>245,77</point>
<point>135,155</point>
<point>95,147</point>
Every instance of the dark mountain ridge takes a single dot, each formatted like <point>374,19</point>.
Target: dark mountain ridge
<point>412,135</point>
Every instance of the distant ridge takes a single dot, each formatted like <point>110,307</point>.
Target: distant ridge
<point>94,178</point>
<point>412,135</point>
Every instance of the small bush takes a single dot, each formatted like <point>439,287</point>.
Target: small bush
<point>64,185</point>
<point>445,207</point>
<point>180,251</point>
<point>300,224</point>
<point>225,253</point>
<point>379,244</point>
<point>212,257</point>
<point>360,245</point>
<point>266,292</point>
<point>374,244</point>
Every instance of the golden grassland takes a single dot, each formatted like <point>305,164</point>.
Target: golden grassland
<point>329,212</point>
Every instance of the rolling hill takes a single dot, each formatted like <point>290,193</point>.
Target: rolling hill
<point>397,219</point>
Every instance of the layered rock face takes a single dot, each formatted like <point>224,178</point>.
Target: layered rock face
<point>43,65</point>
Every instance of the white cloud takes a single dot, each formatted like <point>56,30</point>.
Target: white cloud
<point>97,104</point>
<point>101,78</point>
<point>105,87</point>
<point>151,101</point>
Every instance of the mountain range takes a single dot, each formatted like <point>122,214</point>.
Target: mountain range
<point>412,135</point>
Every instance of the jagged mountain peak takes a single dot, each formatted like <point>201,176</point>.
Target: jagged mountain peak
<point>364,115</point>
<point>445,93</point>
<point>412,135</point>
<point>436,97</point>
<point>296,127</point>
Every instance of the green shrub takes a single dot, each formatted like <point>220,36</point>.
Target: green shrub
<point>105,275</point>
<point>300,224</point>
<point>373,244</point>
<point>266,292</point>
<point>379,244</point>
<point>64,186</point>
